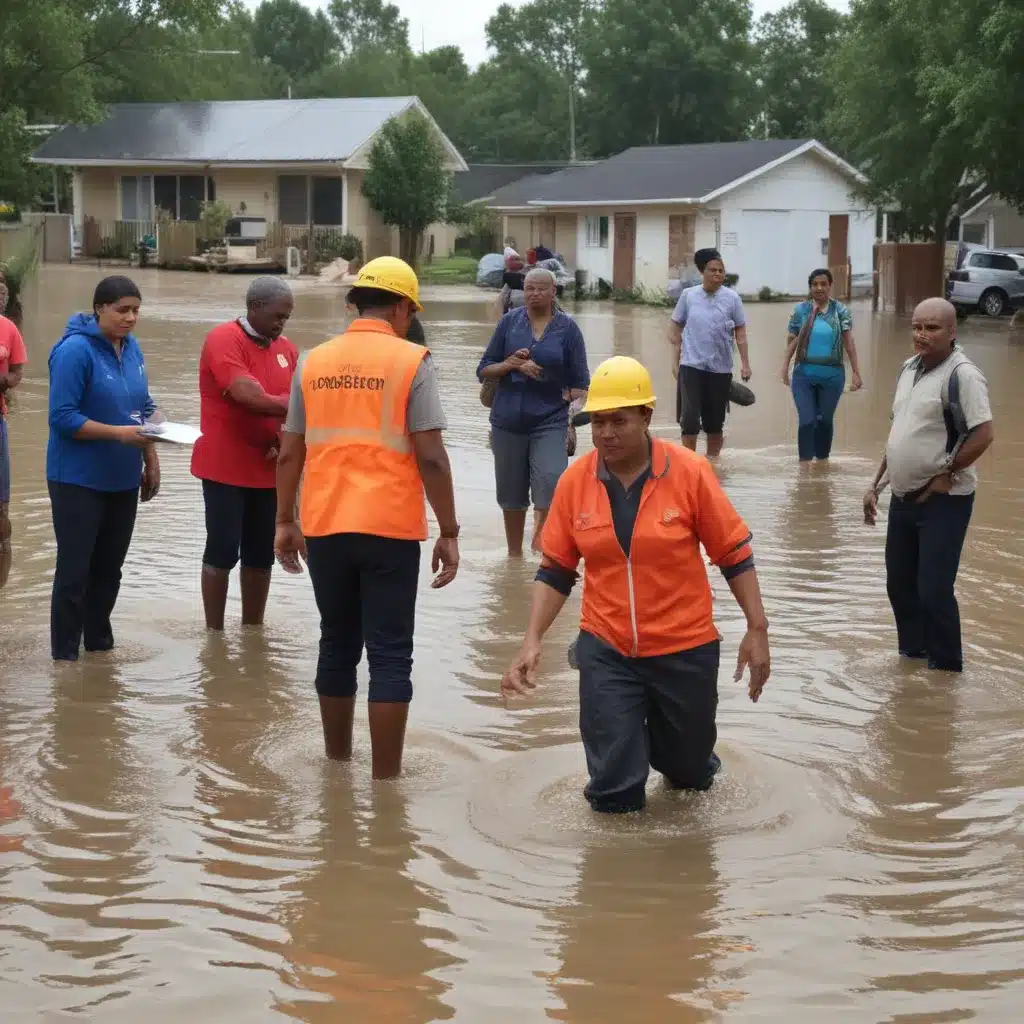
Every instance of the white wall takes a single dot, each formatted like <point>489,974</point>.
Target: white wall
<point>810,190</point>
<point>596,261</point>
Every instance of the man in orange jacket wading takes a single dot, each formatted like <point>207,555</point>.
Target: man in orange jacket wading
<point>636,511</point>
<point>365,422</point>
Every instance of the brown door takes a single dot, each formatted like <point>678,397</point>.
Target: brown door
<point>682,229</point>
<point>838,233</point>
<point>547,232</point>
<point>624,257</point>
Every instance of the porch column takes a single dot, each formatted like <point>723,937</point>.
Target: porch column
<point>344,202</point>
<point>78,205</point>
<point>990,235</point>
<point>885,225</point>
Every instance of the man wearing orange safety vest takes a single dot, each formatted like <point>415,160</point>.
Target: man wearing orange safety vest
<point>636,511</point>
<point>364,424</point>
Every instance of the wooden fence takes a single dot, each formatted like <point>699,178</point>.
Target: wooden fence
<point>317,245</point>
<point>176,241</point>
<point>842,282</point>
<point>906,273</point>
<point>114,239</point>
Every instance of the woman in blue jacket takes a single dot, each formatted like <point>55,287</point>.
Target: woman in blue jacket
<point>97,462</point>
<point>820,332</point>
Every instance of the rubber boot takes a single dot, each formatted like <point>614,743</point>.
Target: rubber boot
<point>214,585</point>
<point>5,529</point>
<point>255,588</point>
<point>387,737</point>
<point>336,714</point>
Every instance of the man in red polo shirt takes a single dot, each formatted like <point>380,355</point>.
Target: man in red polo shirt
<point>245,375</point>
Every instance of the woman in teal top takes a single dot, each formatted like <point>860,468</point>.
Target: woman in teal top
<point>820,329</point>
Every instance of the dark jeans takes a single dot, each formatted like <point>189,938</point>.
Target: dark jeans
<point>922,555</point>
<point>239,521</point>
<point>637,713</point>
<point>93,530</point>
<point>816,401</point>
<point>365,590</point>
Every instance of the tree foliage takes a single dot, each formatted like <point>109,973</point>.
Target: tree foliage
<point>792,50</point>
<point>894,122</point>
<point>370,24</point>
<point>407,182</point>
<point>290,35</point>
<point>668,71</point>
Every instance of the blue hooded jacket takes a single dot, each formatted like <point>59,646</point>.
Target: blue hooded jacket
<point>89,382</point>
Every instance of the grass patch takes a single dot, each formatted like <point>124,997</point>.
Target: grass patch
<point>450,270</point>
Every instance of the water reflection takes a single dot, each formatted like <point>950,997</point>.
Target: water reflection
<point>359,950</point>
<point>642,910</point>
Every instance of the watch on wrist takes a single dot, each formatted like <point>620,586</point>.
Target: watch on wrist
<point>451,534</point>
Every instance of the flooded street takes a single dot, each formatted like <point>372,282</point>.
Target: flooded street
<point>174,846</point>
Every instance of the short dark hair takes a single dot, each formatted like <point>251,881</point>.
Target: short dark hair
<point>820,272</point>
<point>372,298</point>
<point>702,257</point>
<point>415,334</point>
<point>114,289</point>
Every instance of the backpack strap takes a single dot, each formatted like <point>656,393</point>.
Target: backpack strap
<point>952,411</point>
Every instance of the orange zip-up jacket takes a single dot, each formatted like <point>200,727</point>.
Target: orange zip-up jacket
<point>657,601</point>
<point>361,474</point>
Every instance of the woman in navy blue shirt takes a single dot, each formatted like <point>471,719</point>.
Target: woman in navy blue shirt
<point>97,462</point>
<point>538,358</point>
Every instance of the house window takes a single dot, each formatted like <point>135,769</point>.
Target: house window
<point>180,196</point>
<point>327,201</point>
<point>136,197</point>
<point>976,233</point>
<point>597,232</point>
<point>298,195</point>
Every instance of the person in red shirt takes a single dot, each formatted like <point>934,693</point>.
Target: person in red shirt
<point>12,362</point>
<point>245,376</point>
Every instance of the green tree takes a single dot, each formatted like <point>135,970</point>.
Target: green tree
<point>667,71</point>
<point>407,182</point>
<point>52,56</point>
<point>891,119</point>
<point>550,34</point>
<point>983,87</point>
<point>293,37</point>
<point>792,51</point>
<point>370,24</point>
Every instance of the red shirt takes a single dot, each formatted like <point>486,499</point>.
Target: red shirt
<point>234,443</point>
<point>12,353</point>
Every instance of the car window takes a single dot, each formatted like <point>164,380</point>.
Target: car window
<point>994,261</point>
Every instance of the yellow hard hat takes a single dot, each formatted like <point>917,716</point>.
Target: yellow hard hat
<point>617,383</point>
<point>390,274</point>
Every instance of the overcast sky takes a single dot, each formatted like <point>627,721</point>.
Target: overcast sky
<point>434,23</point>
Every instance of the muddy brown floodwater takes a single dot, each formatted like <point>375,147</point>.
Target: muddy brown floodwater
<point>173,846</point>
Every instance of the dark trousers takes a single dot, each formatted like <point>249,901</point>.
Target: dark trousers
<point>365,589</point>
<point>93,530</point>
<point>922,555</point>
<point>641,713</point>
<point>816,402</point>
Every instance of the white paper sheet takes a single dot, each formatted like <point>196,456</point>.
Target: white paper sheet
<point>172,433</point>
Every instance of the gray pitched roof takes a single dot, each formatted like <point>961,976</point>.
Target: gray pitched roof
<point>482,180</point>
<point>233,131</point>
<point>649,173</point>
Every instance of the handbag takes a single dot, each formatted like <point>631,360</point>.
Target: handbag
<point>487,392</point>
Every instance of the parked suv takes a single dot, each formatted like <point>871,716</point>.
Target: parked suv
<point>986,279</point>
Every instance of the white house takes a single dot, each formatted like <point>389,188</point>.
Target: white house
<point>293,162</point>
<point>776,209</point>
<point>994,224</point>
